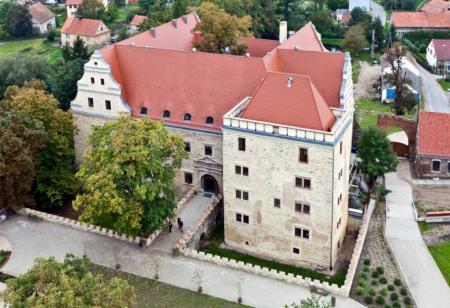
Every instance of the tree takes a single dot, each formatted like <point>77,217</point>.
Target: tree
<point>17,21</point>
<point>312,302</point>
<point>404,98</point>
<point>220,30</point>
<point>322,21</point>
<point>354,39</point>
<point>53,284</point>
<point>54,163</point>
<point>63,82</point>
<point>181,7</point>
<point>92,9</point>
<point>379,31</point>
<point>78,51</point>
<point>375,152</point>
<point>333,5</point>
<point>20,138</point>
<point>265,20</point>
<point>360,15</point>
<point>127,175</point>
<point>18,68</point>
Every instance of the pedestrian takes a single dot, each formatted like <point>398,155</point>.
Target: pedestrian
<point>170,226</point>
<point>180,224</point>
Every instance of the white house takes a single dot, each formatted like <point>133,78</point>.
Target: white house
<point>41,17</point>
<point>438,56</point>
<point>72,6</point>
<point>364,4</point>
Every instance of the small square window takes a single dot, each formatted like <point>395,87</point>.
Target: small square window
<point>92,80</point>
<point>245,171</point>
<point>238,217</point>
<point>245,195</point>
<point>298,182</point>
<point>306,209</point>
<point>90,102</point>
<point>436,165</point>
<point>303,157</point>
<point>238,194</point>
<point>277,203</point>
<point>306,233</point>
<point>298,232</point>
<point>187,146</point>
<point>108,104</point>
<point>208,150</point>
<point>241,144</point>
<point>102,81</point>
<point>296,251</point>
<point>188,178</point>
<point>307,183</point>
<point>298,207</point>
<point>448,167</point>
<point>246,219</point>
<point>237,169</point>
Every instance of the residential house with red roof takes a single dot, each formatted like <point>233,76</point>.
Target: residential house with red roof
<point>438,56</point>
<point>41,17</point>
<point>270,130</point>
<point>433,145</point>
<point>91,31</point>
<point>414,21</point>
<point>136,21</point>
<point>436,6</point>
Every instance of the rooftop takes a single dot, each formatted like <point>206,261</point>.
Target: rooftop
<point>82,26</point>
<point>436,6</point>
<point>138,19</point>
<point>40,12</point>
<point>433,134</point>
<point>421,19</point>
<point>442,49</point>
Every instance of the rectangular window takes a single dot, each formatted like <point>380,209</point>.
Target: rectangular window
<point>338,223</point>
<point>298,207</point>
<point>208,150</point>
<point>245,195</point>
<point>242,218</point>
<point>302,182</point>
<point>306,233</point>
<point>238,169</point>
<point>188,178</point>
<point>340,147</point>
<point>108,104</point>
<point>246,219</point>
<point>92,80</point>
<point>303,157</point>
<point>306,209</point>
<point>238,194</point>
<point>298,232</point>
<point>241,144</point>
<point>277,203</point>
<point>307,183</point>
<point>238,217</point>
<point>448,167</point>
<point>102,81</point>
<point>302,208</point>
<point>296,251</point>
<point>436,165</point>
<point>90,102</point>
<point>303,233</point>
<point>298,182</point>
<point>245,171</point>
<point>187,146</point>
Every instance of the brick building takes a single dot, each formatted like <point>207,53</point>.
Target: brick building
<point>270,130</point>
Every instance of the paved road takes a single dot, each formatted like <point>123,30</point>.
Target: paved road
<point>378,11</point>
<point>435,98</point>
<point>425,281</point>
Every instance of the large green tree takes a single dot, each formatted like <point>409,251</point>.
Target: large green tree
<point>54,163</point>
<point>220,30</point>
<point>70,283</point>
<point>355,39</point>
<point>92,9</point>
<point>376,154</point>
<point>17,21</point>
<point>128,174</point>
<point>78,51</point>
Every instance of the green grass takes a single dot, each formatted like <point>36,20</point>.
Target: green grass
<point>157,294</point>
<point>444,84</point>
<point>332,41</point>
<point>2,256</point>
<point>441,254</point>
<point>35,46</point>
<point>216,239</point>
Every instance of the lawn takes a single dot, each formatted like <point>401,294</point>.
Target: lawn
<point>36,46</point>
<point>441,254</point>
<point>213,247</point>
<point>444,84</point>
<point>368,110</point>
<point>157,294</point>
<point>122,10</point>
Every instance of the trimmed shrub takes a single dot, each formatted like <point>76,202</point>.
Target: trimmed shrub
<point>366,269</point>
<point>362,283</point>
<point>374,282</point>
<point>372,292</point>
<point>383,291</point>
<point>383,280</point>
<point>375,274</point>
<point>391,287</point>
<point>380,300</point>
<point>397,282</point>
<point>396,305</point>
<point>403,291</point>
<point>368,299</point>
<point>394,297</point>
<point>363,276</point>
<point>380,270</point>
<point>367,261</point>
<point>407,300</point>
<point>360,290</point>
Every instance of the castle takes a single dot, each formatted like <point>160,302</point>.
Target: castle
<point>270,131</point>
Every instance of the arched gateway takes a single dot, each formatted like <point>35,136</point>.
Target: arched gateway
<point>209,184</point>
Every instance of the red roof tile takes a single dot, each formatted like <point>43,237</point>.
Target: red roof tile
<point>258,47</point>
<point>292,100</point>
<point>306,38</point>
<point>82,26</point>
<point>433,134</point>
<point>421,20</point>
<point>138,19</point>
<point>74,2</point>
<point>436,6</point>
<point>40,12</point>
<point>442,53</point>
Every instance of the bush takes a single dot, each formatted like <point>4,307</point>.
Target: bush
<point>380,300</point>
<point>383,291</point>
<point>372,292</point>
<point>397,282</point>
<point>391,287</point>
<point>52,34</point>
<point>387,306</point>
<point>394,297</point>
<point>396,305</point>
<point>383,280</point>
<point>374,282</point>
<point>407,300</point>
<point>380,270</point>
<point>360,290</point>
<point>403,291</point>
<point>367,261</point>
<point>375,274</point>
<point>362,283</point>
<point>368,299</point>
<point>366,269</point>
<point>363,276</point>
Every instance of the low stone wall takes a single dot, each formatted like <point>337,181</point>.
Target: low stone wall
<point>185,198</point>
<point>185,243</point>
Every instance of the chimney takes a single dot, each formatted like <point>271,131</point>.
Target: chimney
<point>283,31</point>
<point>153,31</point>
<point>289,81</point>
<point>174,23</point>
<point>197,36</point>
<point>185,19</point>
<point>296,47</point>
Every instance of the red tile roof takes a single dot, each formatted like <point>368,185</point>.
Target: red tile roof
<point>82,26</point>
<point>436,6</point>
<point>40,12</point>
<point>292,100</point>
<point>138,19</point>
<point>258,47</point>
<point>433,134</point>
<point>306,38</point>
<point>442,53</point>
<point>74,2</point>
<point>421,20</point>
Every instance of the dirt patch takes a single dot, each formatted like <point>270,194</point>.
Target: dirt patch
<point>431,198</point>
<point>368,75</point>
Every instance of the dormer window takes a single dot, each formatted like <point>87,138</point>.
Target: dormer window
<point>187,117</point>
<point>209,120</point>
<point>143,111</point>
<point>166,114</point>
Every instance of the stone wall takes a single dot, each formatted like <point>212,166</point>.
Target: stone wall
<point>409,126</point>
<point>424,167</point>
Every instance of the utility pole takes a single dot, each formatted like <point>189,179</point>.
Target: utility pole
<point>372,47</point>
